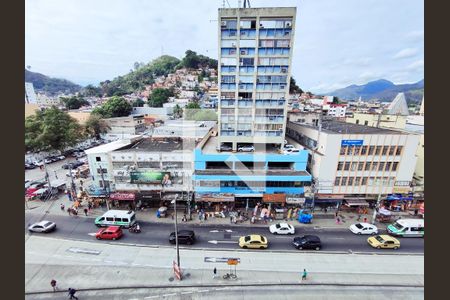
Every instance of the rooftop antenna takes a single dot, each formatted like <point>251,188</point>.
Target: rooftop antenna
<point>245,3</point>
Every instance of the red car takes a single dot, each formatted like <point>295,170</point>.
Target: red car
<point>109,233</point>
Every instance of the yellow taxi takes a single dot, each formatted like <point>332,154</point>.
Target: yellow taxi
<point>384,241</point>
<point>254,241</point>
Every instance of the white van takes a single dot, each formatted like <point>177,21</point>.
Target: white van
<point>407,228</point>
<point>122,218</point>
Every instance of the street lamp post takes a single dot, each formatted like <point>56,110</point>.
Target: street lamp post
<point>374,215</point>
<point>176,231</point>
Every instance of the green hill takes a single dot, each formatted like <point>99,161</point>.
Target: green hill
<point>50,86</point>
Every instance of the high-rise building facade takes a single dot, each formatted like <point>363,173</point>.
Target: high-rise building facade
<point>255,54</point>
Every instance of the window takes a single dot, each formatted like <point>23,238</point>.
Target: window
<point>364,181</point>
<point>385,150</point>
<point>357,150</point>
<point>378,150</point>
<point>399,150</point>
<point>370,181</point>
<point>388,166</point>
<point>109,219</point>
<point>363,150</point>
<point>366,123</point>
<point>343,149</point>
<point>357,180</point>
<point>371,150</point>
<point>367,167</point>
<point>118,219</point>
<point>99,171</point>
<point>340,165</point>
<point>337,181</point>
<point>353,166</point>
<point>391,150</point>
<point>394,166</point>
<point>347,166</point>
<point>344,181</point>
<point>350,150</point>
<point>98,158</point>
<point>360,166</point>
<point>374,166</point>
<point>350,181</point>
<point>357,122</point>
<point>381,166</point>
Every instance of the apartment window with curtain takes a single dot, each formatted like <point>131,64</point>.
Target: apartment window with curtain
<point>367,166</point>
<point>340,165</point>
<point>346,166</point>
<point>357,181</point>
<point>344,181</point>
<point>360,166</point>
<point>337,181</point>
<point>394,166</point>
<point>350,181</point>
<point>388,166</point>
<point>385,150</point>
<point>381,166</point>
<point>399,150</point>
<point>364,181</point>
<point>378,150</point>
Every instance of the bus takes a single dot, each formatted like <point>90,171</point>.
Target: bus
<point>407,228</point>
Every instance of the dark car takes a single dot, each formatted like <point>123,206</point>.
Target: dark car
<point>224,148</point>
<point>307,242</point>
<point>30,166</point>
<point>184,237</point>
<point>72,165</point>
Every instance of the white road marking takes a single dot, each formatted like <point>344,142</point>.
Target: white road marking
<point>183,293</point>
<point>152,297</point>
<point>222,242</point>
<point>203,291</point>
<point>167,295</point>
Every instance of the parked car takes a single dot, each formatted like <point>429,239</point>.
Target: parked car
<point>246,149</point>
<point>224,148</point>
<point>73,165</point>
<point>30,183</point>
<point>38,163</point>
<point>184,237</point>
<point>255,241</point>
<point>282,228</point>
<point>109,233</point>
<point>291,151</point>
<point>30,166</point>
<point>307,242</point>
<point>364,228</point>
<point>384,241</point>
<point>288,146</point>
<point>49,160</point>
<point>42,226</point>
<point>61,157</point>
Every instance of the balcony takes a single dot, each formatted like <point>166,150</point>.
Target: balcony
<point>269,119</point>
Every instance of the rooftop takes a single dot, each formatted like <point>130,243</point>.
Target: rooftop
<point>212,143</point>
<point>162,145</point>
<point>116,145</point>
<point>332,126</point>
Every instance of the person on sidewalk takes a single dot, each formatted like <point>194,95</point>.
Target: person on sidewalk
<point>53,284</point>
<point>304,274</point>
<point>72,293</point>
<point>69,210</point>
<point>85,211</point>
<point>365,219</point>
<point>62,206</point>
<point>214,273</point>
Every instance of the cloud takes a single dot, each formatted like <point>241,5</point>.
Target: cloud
<point>369,75</point>
<point>416,66</point>
<point>406,53</point>
<point>416,35</point>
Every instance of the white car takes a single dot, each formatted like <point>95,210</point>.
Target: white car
<point>282,228</point>
<point>364,228</point>
<point>288,146</point>
<point>42,226</point>
<point>291,151</point>
<point>246,149</point>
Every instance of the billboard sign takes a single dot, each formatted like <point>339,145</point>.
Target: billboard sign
<point>148,176</point>
<point>352,142</point>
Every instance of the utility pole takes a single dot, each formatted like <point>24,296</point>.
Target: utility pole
<point>377,206</point>
<point>176,232</point>
<point>104,187</point>
<point>73,187</point>
<point>47,177</point>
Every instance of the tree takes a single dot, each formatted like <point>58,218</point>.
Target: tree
<point>95,126</point>
<point>200,115</point>
<point>177,111</point>
<point>160,96</point>
<point>74,102</point>
<point>91,91</point>
<point>192,105</point>
<point>114,107</point>
<point>190,60</point>
<point>294,88</point>
<point>138,103</point>
<point>51,129</point>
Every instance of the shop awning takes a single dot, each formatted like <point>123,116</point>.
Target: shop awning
<point>214,197</point>
<point>274,198</point>
<point>355,202</point>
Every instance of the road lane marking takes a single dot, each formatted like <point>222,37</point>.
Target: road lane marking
<point>222,242</point>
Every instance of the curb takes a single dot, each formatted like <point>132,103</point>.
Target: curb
<point>233,285</point>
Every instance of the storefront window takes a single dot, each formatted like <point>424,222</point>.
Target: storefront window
<point>350,150</point>
<point>363,150</point>
<point>357,150</point>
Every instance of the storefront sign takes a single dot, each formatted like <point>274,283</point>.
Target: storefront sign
<point>274,198</point>
<point>401,189</point>
<point>399,197</point>
<point>214,197</point>
<point>352,142</point>
<point>294,200</point>
<point>148,177</point>
<point>122,196</point>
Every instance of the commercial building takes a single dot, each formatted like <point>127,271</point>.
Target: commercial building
<point>124,127</point>
<point>161,113</point>
<point>255,53</point>
<point>378,120</point>
<point>355,162</point>
<point>184,128</point>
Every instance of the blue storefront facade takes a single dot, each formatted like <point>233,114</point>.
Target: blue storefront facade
<point>248,178</point>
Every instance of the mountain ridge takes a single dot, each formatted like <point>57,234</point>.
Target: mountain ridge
<point>49,85</point>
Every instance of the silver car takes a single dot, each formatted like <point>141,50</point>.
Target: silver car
<point>246,149</point>
<point>42,226</point>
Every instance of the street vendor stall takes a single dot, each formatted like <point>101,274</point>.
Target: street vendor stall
<point>384,216</point>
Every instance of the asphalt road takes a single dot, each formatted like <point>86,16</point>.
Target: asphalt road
<point>220,237</point>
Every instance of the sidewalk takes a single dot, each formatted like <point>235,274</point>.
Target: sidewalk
<point>127,266</point>
<point>320,219</point>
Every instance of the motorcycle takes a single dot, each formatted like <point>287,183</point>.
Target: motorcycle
<point>135,228</point>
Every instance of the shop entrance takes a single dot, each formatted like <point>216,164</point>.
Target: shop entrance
<point>245,202</point>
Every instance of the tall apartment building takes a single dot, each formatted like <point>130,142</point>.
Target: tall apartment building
<point>30,95</point>
<point>255,52</point>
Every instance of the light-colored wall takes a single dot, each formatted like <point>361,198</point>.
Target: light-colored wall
<point>80,116</point>
<point>388,121</point>
<point>31,109</point>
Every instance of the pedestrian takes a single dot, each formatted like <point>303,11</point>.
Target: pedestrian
<point>85,211</point>
<point>359,218</point>
<point>89,206</point>
<point>365,219</point>
<point>72,293</point>
<point>231,219</point>
<point>206,216</point>
<point>336,214</point>
<point>325,209</point>
<point>214,273</point>
<point>184,219</point>
<point>53,284</point>
<point>338,220</point>
<point>62,206</point>
<point>81,182</point>
<point>304,274</point>
<point>69,210</point>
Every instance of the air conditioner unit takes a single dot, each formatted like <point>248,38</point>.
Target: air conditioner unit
<point>288,24</point>
<point>223,23</point>
<point>283,70</point>
<point>233,45</point>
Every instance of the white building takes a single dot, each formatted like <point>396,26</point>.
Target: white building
<point>184,129</point>
<point>124,127</point>
<point>350,160</point>
<point>162,113</point>
<point>30,95</point>
<point>337,110</point>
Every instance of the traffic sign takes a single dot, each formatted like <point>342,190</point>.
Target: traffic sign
<point>233,261</point>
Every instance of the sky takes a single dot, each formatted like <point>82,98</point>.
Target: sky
<point>337,42</point>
